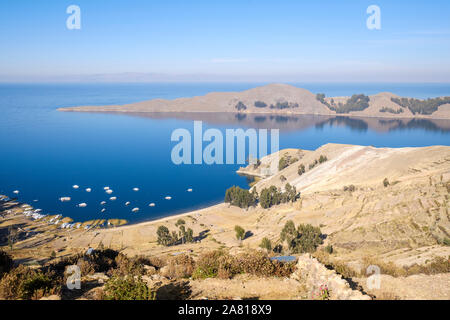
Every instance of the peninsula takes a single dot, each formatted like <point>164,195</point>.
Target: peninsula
<point>373,206</point>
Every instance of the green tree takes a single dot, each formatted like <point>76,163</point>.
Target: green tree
<point>182,233</point>
<point>309,238</point>
<point>270,197</point>
<point>301,169</point>
<point>305,238</point>
<point>164,237</point>
<point>241,198</point>
<point>240,232</point>
<point>189,236</point>
<point>288,233</point>
<point>260,104</point>
<point>290,194</point>
<point>320,97</point>
<point>322,159</point>
<point>241,106</point>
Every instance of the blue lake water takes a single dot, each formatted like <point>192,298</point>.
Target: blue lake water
<point>44,152</point>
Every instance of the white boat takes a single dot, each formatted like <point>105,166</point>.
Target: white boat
<point>168,198</point>
<point>16,191</point>
<point>106,188</point>
<point>135,210</point>
<point>75,186</point>
<point>113,198</point>
<point>135,189</point>
<point>109,191</point>
<point>127,203</point>
<point>152,204</point>
<point>103,203</point>
<point>189,190</point>
<point>65,199</point>
<point>88,189</point>
<point>103,210</point>
<point>82,205</point>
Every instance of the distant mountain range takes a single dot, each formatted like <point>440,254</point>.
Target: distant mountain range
<point>289,100</point>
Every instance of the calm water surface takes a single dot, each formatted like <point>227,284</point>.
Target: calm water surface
<point>44,152</point>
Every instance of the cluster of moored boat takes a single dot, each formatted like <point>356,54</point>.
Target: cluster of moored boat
<point>109,191</point>
<point>37,214</point>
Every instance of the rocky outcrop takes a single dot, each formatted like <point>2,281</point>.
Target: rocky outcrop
<point>315,275</point>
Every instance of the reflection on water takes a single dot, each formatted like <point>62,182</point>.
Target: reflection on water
<point>288,123</point>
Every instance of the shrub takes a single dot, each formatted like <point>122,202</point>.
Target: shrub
<point>228,267</point>
<point>208,264</point>
<point>128,266</point>
<point>180,266</point>
<point>97,261</point>
<point>350,188</point>
<point>180,222</point>
<point>26,283</point>
<point>223,265</point>
<point>435,266</point>
<point>266,244</point>
<point>329,249</point>
<point>127,288</point>
<point>386,182</point>
<point>6,263</point>
<point>259,264</point>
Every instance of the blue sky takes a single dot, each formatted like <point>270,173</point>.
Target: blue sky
<point>284,40</point>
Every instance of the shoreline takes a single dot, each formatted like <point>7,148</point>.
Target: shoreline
<point>184,213</point>
<point>168,218</point>
<point>344,115</point>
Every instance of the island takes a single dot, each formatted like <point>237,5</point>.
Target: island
<point>284,99</point>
